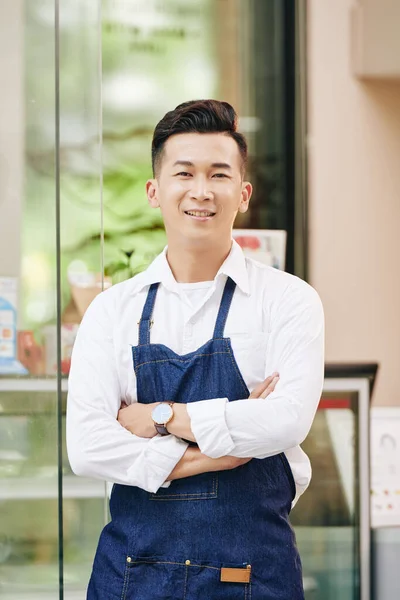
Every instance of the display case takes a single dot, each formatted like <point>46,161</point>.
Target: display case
<point>31,482</point>
<point>331,520</point>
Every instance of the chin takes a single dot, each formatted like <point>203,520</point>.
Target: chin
<point>207,239</point>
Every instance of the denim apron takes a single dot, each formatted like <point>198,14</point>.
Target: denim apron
<point>216,536</point>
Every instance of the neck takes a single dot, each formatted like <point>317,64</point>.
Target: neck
<point>195,264</point>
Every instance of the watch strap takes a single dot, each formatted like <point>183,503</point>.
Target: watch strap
<point>161,429</point>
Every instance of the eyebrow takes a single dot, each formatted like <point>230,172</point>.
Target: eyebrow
<point>217,165</point>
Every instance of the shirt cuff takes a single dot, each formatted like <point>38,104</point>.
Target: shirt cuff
<point>208,424</point>
<point>159,458</point>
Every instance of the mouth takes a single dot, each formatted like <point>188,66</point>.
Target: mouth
<point>200,215</point>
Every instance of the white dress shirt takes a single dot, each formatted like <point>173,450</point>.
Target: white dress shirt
<point>275,323</point>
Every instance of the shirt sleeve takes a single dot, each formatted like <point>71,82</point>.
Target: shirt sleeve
<point>98,446</point>
<point>260,428</point>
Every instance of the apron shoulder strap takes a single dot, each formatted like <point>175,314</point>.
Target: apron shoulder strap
<point>226,301</point>
<point>145,320</point>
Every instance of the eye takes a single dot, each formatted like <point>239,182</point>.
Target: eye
<point>220,175</point>
<point>183,174</point>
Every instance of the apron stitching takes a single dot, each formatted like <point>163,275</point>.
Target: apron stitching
<point>158,562</point>
<point>192,494</point>
<point>190,497</point>
<point>186,578</point>
<point>125,584</point>
<point>181,499</point>
<point>151,362</point>
<point>170,562</point>
<point>235,366</point>
<point>248,589</point>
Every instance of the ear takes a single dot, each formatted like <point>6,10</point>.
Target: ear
<point>247,190</point>
<point>152,193</point>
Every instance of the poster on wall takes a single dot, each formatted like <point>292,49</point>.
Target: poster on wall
<point>9,365</point>
<point>385,467</point>
<point>268,246</point>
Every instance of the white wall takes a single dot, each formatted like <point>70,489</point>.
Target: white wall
<point>354,194</point>
<point>11,134</point>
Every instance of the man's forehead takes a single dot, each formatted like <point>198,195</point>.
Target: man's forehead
<point>202,147</point>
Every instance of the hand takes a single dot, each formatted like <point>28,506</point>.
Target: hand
<point>265,388</point>
<point>136,418</point>
<point>193,462</point>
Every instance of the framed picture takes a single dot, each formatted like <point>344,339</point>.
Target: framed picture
<point>268,246</point>
<point>385,466</point>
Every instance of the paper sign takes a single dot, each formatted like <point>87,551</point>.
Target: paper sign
<point>9,365</point>
<point>267,246</point>
<point>385,467</point>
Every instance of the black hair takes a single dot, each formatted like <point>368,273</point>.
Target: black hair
<point>197,116</point>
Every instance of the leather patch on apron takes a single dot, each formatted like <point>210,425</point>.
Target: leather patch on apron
<point>235,575</point>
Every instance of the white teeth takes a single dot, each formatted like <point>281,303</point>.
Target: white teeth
<point>199,213</point>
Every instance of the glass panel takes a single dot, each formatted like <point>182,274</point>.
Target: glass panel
<point>326,518</point>
<point>81,254</point>
<point>29,549</point>
<point>155,55</point>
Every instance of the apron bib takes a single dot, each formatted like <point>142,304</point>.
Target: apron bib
<point>214,536</point>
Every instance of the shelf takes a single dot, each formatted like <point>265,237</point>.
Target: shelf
<point>34,488</point>
<point>30,384</point>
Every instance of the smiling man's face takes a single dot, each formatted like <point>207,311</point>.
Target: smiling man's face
<point>199,187</point>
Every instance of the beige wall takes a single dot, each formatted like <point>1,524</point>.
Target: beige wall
<point>11,134</point>
<point>354,194</point>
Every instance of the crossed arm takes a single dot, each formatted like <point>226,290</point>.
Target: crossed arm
<point>136,418</point>
<point>98,446</point>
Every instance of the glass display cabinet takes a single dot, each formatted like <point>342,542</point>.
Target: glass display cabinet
<point>33,546</point>
<point>331,520</point>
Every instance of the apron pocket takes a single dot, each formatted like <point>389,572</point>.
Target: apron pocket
<point>198,487</point>
<point>158,579</point>
<point>152,578</point>
<point>219,581</point>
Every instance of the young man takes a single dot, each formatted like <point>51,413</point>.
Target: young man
<point>159,403</point>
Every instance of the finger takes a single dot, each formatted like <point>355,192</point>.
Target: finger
<point>270,388</point>
<point>120,412</point>
<point>261,387</point>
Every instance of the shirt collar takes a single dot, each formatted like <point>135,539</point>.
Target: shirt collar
<point>234,267</point>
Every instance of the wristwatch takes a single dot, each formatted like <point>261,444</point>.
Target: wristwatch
<point>162,415</point>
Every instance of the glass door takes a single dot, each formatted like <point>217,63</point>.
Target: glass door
<point>83,84</point>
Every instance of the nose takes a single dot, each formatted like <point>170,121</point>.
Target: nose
<point>200,190</point>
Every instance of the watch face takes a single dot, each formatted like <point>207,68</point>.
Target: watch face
<point>162,413</point>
